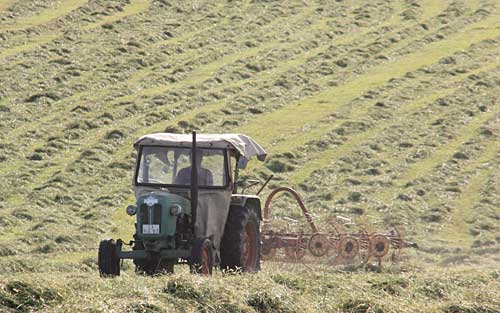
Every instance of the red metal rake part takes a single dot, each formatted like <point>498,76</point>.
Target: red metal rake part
<point>299,201</point>
<point>347,246</point>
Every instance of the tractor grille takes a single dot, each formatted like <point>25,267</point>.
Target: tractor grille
<point>155,214</point>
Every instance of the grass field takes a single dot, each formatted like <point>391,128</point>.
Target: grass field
<point>386,113</point>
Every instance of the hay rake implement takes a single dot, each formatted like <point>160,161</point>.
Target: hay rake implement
<point>345,246</point>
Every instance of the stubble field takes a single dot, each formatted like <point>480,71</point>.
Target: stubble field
<point>386,113</point>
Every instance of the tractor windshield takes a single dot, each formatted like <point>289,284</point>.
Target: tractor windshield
<point>171,166</point>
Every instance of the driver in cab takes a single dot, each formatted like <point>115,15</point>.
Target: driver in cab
<point>205,177</point>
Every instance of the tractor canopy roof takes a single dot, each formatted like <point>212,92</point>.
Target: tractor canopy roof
<point>243,144</point>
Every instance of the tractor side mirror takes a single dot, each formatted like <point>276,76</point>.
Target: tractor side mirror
<point>242,162</point>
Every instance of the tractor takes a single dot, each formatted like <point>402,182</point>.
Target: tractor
<point>188,209</point>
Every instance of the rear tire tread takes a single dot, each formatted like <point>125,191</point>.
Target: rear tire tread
<point>231,243</point>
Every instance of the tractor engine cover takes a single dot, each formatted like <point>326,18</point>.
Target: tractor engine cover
<point>157,214</point>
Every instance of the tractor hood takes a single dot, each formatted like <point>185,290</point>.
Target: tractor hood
<point>245,145</point>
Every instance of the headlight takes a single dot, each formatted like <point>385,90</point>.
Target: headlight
<point>131,210</point>
<point>175,210</point>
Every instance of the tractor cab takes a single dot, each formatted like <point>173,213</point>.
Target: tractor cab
<point>187,207</point>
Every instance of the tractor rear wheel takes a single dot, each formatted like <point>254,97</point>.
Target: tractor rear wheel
<point>108,260</point>
<point>202,257</point>
<point>240,245</point>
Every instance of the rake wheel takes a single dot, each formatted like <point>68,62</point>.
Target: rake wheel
<point>348,247</point>
<point>379,246</point>
<point>319,244</point>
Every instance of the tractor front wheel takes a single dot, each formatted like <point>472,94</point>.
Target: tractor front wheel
<point>202,257</point>
<point>240,245</point>
<point>108,260</point>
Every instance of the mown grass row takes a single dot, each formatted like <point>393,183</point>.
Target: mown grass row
<point>289,288</point>
<point>62,108</point>
<point>381,147</point>
<point>125,122</point>
<point>44,16</point>
<point>363,139</point>
<point>49,182</point>
<point>21,200</point>
<point>319,106</point>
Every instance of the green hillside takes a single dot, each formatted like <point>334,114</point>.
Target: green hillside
<point>383,112</point>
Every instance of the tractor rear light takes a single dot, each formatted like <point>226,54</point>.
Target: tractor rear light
<point>175,210</point>
<point>131,210</point>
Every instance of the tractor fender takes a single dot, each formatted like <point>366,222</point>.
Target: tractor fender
<point>250,201</point>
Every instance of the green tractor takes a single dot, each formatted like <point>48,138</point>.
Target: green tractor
<point>188,210</point>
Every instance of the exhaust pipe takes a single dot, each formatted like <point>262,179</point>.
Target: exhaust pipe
<point>194,182</point>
